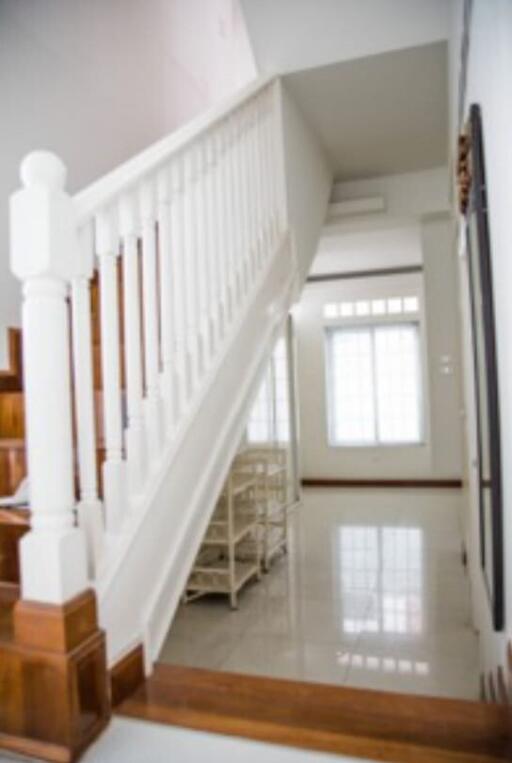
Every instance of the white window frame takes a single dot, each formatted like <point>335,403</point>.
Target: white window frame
<point>370,325</point>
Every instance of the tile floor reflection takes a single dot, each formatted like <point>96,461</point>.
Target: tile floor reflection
<point>372,593</point>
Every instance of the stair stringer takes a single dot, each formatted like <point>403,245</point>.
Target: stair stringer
<point>138,595</point>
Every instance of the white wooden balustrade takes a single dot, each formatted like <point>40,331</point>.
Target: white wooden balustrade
<point>181,237</point>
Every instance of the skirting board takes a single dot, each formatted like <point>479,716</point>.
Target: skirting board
<point>127,675</point>
<point>406,483</point>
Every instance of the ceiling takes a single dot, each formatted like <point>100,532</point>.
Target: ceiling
<point>289,35</point>
<point>379,115</point>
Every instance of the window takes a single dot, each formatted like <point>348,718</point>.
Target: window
<point>282,413</point>
<point>259,426</point>
<point>374,385</point>
<point>363,308</point>
<point>269,420</point>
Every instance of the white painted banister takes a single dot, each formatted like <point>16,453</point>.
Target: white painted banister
<point>177,245</point>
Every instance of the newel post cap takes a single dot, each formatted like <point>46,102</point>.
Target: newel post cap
<point>42,169</point>
<point>44,241</point>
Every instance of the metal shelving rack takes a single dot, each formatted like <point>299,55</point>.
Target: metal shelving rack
<point>269,465</point>
<point>218,568</point>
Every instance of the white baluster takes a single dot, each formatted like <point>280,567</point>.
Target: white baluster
<point>260,180</point>
<point>114,484</point>
<point>258,243</point>
<point>236,216</point>
<point>267,170</point>
<point>245,249</point>
<point>273,165</point>
<point>231,190</point>
<point>135,434</point>
<point>211,242</point>
<point>203,244</point>
<point>166,296</point>
<point>179,291</point>
<point>191,274</point>
<point>90,508</point>
<point>45,256</point>
<point>279,158</point>
<point>249,194</point>
<point>153,401</point>
<point>219,202</point>
<point>226,222</point>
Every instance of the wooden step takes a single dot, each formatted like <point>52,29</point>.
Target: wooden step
<point>14,523</point>
<point>358,722</point>
<point>12,414</point>
<point>11,379</point>
<point>13,464</point>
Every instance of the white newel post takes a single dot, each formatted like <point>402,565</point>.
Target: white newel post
<point>45,257</point>
<point>90,509</point>
<point>135,432</point>
<point>114,473</point>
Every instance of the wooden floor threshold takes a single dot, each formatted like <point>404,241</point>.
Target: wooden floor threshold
<point>383,726</point>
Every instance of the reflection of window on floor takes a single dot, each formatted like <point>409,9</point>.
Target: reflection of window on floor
<point>269,420</point>
<point>381,579</point>
<point>373,663</point>
<point>374,385</point>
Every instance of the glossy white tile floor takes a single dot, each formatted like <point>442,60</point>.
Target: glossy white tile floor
<point>127,741</point>
<point>373,594</point>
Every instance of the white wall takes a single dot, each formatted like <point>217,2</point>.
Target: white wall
<point>308,182</point>
<point>298,34</point>
<point>420,234</point>
<point>98,81</point>
<point>488,83</point>
<point>370,248</point>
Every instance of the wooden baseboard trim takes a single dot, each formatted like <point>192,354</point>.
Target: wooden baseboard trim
<point>380,483</point>
<point>374,725</point>
<point>127,675</point>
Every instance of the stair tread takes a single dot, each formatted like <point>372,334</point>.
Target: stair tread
<point>6,611</point>
<point>12,442</point>
<point>372,724</point>
<point>20,515</point>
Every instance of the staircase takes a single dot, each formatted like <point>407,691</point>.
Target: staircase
<point>152,301</point>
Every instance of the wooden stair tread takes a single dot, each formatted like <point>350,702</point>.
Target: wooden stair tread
<point>18,516</point>
<point>6,621</point>
<point>371,724</point>
<point>12,442</point>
